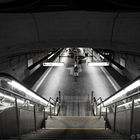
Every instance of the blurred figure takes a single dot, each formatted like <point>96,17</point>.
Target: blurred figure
<point>76,71</point>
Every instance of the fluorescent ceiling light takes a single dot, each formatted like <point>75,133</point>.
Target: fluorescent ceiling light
<point>122,92</point>
<point>125,104</point>
<point>100,64</point>
<point>7,97</point>
<point>132,86</point>
<point>51,56</point>
<point>11,98</point>
<point>27,92</point>
<point>53,64</point>
<point>137,100</point>
<point>101,56</point>
<point>128,103</point>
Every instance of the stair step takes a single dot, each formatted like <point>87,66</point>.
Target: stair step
<point>75,122</point>
<point>73,128</point>
<point>71,135</point>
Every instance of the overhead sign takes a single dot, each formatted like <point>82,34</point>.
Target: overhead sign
<point>53,64</point>
<point>98,64</point>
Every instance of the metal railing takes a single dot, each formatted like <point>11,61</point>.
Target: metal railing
<point>21,98</point>
<point>94,105</point>
<point>116,104</point>
<point>54,110</point>
<point>18,103</point>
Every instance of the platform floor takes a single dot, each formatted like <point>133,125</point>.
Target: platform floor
<point>62,79</point>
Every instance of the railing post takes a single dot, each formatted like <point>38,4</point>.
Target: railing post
<point>92,96</point>
<point>115,112</point>
<point>132,118</point>
<point>100,110</point>
<point>59,97</point>
<point>17,117</point>
<point>50,112</point>
<point>58,109</point>
<point>59,58</point>
<point>95,105</point>
<point>44,116</point>
<point>92,55</point>
<point>54,110</point>
<point>106,118</point>
<point>35,117</point>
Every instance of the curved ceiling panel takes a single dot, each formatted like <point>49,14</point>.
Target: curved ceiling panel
<point>70,29</point>
<point>16,5</point>
<point>65,5</point>
<point>5,1</point>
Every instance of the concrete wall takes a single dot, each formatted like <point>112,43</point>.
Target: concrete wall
<point>9,123</point>
<point>16,65</point>
<point>123,121</point>
<point>132,64</point>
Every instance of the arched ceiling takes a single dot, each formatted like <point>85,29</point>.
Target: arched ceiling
<point>63,5</point>
<point>35,31</point>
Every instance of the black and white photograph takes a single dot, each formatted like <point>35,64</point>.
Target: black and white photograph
<point>69,70</point>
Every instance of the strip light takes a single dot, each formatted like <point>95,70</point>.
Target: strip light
<point>27,92</point>
<point>126,104</point>
<point>11,98</point>
<point>122,92</point>
<point>52,64</point>
<point>51,56</point>
<point>100,64</point>
<point>7,97</point>
<point>101,56</point>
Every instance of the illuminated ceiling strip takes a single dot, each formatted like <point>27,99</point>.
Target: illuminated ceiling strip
<point>10,98</point>
<point>100,64</point>
<point>7,97</point>
<point>128,103</point>
<point>51,56</point>
<point>125,104</point>
<point>122,92</point>
<point>27,92</point>
<point>53,64</point>
<point>101,56</point>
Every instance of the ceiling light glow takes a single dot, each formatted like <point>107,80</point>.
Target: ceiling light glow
<point>27,92</point>
<point>122,92</point>
<point>51,56</point>
<point>52,64</point>
<point>99,64</point>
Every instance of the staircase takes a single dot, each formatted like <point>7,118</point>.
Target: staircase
<point>73,128</point>
<point>75,106</point>
<point>75,122</point>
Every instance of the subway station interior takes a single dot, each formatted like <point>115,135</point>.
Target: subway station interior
<point>69,70</point>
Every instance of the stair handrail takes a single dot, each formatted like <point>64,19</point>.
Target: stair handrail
<point>57,101</point>
<point>99,104</point>
<point>15,95</point>
<point>132,103</point>
<point>8,79</point>
<point>130,96</point>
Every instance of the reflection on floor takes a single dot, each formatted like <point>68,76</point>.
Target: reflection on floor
<point>75,106</point>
